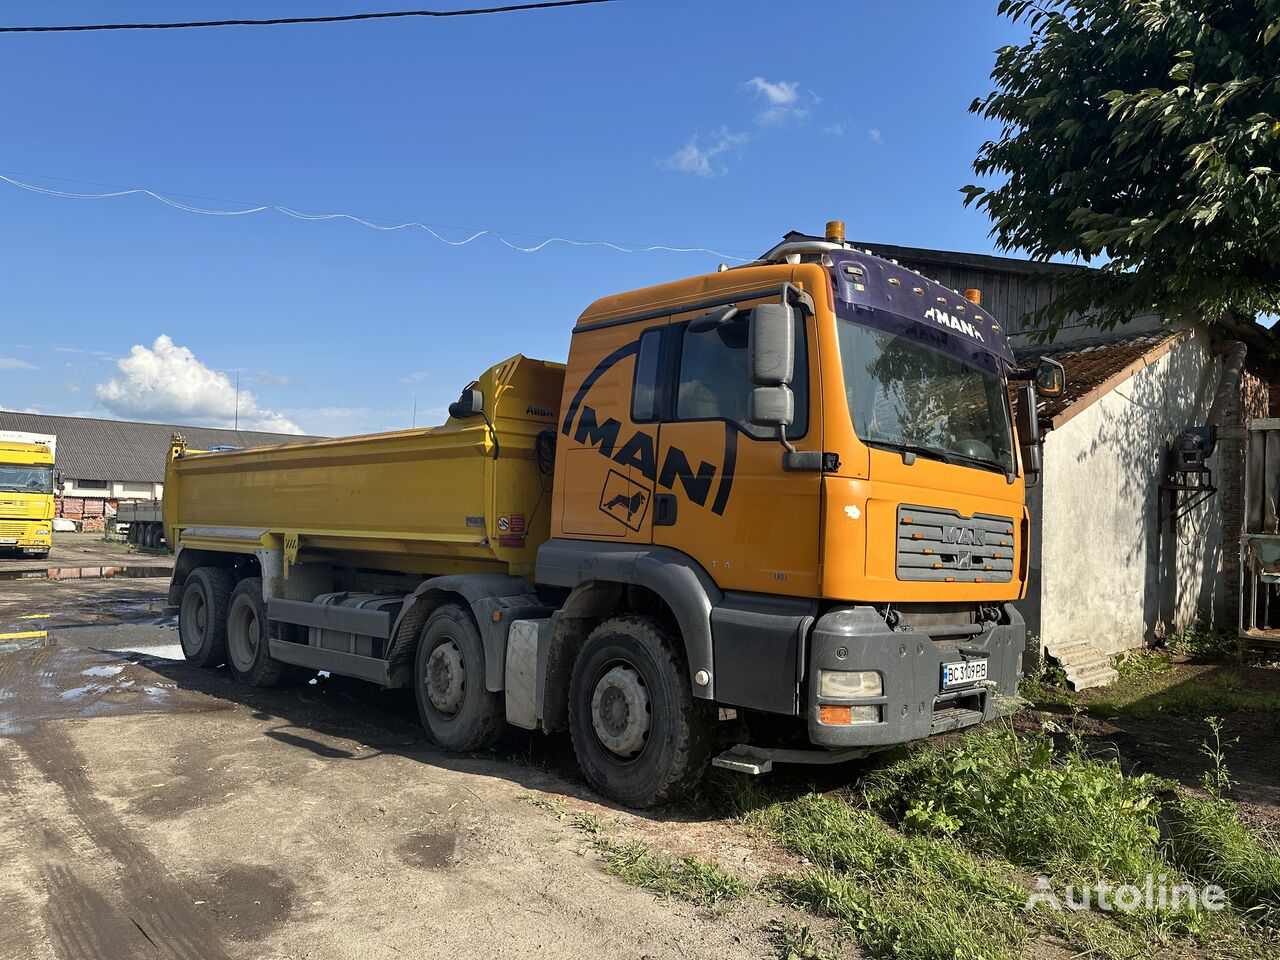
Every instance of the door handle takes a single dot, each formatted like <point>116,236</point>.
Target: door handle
<point>664,510</point>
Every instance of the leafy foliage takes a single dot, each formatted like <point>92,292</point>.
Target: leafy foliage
<point>1145,133</point>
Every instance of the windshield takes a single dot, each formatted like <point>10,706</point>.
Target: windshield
<point>21,478</point>
<point>904,395</point>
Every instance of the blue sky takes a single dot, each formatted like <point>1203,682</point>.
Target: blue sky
<point>712,124</point>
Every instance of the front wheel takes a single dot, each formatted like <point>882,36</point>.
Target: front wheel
<point>640,735</point>
<point>457,710</point>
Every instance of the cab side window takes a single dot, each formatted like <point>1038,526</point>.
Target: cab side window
<point>714,378</point>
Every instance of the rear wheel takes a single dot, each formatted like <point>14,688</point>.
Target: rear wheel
<point>639,734</point>
<point>456,709</point>
<point>248,652</point>
<point>202,616</point>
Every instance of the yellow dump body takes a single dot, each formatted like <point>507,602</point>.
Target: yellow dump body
<point>434,500</point>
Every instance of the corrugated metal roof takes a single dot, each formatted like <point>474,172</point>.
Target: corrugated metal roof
<point>126,451</point>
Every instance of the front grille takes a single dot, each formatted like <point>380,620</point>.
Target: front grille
<point>941,545</point>
<point>13,529</point>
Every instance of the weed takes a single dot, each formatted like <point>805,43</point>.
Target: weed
<point>1207,839</point>
<point>1142,663</point>
<point>591,824</point>
<point>1072,814</point>
<point>554,806</point>
<point>1203,640</point>
<point>688,878</point>
<point>796,941</point>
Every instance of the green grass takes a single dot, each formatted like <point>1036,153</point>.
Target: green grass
<point>934,854</point>
<point>914,897</point>
<point>1203,641</point>
<point>1152,684</point>
<point>690,879</point>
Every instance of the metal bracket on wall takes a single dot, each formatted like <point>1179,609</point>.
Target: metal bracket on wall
<point>1183,493</point>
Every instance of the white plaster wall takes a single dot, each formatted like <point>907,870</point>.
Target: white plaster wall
<point>1108,573</point>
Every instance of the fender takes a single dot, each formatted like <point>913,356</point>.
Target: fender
<point>679,580</point>
<point>487,594</point>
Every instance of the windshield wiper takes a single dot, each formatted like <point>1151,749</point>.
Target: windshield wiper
<point>983,462</point>
<point>901,446</point>
<point>937,453</point>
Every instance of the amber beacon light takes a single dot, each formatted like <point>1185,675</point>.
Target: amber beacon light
<point>974,295</point>
<point>835,231</point>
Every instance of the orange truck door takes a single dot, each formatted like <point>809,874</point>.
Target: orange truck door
<point>609,459</point>
<point>721,494</point>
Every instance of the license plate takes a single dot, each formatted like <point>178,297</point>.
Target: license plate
<point>7,542</point>
<point>962,672</point>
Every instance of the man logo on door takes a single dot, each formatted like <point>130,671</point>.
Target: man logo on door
<point>624,500</point>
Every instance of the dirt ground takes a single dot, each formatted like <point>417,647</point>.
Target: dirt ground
<point>80,550</point>
<point>148,808</point>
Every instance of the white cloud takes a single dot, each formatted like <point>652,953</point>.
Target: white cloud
<point>166,382</point>
<point>13,363</point>
<point>875,135</point>
<point>780,94</point>
<point>838,129</point>
<point>416,377</point>
<point>783,100</point>
<point>704,161</point>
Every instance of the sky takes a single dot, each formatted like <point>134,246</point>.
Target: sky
<point>719,125</point>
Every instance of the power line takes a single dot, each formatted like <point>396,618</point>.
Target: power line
<point>390,227</point>
<point>477,11</point>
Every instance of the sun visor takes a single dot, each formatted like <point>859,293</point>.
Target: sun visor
<point>892,298</point>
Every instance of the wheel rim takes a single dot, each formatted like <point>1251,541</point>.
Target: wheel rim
<point>244,636</point>
<point>620,712</point>
<point>446,678</point>
<point>194,614</point>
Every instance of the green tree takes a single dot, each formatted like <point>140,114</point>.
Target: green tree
<point>1143,133</point>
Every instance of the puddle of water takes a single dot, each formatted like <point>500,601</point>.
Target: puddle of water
<point>107,670</point>
<point>162,651</point>
<point>12,646</point>
<point>87,573</point>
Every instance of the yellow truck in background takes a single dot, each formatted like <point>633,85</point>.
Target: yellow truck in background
<point>26,498</point>
<point>768,514</point>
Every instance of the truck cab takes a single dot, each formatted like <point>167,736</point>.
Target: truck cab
<point>814,459</point>
<point>26,498</point>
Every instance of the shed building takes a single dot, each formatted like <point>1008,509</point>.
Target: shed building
<point>105,461</point>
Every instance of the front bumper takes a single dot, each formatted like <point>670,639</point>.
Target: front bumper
<point>912,704</point>
<point>33,536</point>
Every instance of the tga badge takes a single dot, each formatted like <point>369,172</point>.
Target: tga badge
<point>624,500</point>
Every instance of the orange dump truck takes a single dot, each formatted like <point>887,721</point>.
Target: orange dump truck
<point>772,513</point>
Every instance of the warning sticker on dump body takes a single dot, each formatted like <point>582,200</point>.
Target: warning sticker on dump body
<point>512,523</point>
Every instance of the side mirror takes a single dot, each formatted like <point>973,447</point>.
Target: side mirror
<point>1051,377</point>
<point>58,483</point>
<point>469,404</point>
<point>772,406</point>
<point>1027,423</point>
<point>772,346</point>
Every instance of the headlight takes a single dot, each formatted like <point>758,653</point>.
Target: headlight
<point>42,533</point>
<point>849,685</point>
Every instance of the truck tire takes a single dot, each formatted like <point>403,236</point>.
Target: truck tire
<point>456,709</point>
<point>248,653</point>
<point>202,616</point>
<point>639,734</point>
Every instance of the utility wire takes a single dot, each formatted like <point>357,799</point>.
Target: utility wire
<point>391,227</point>
<point>78,28</point>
